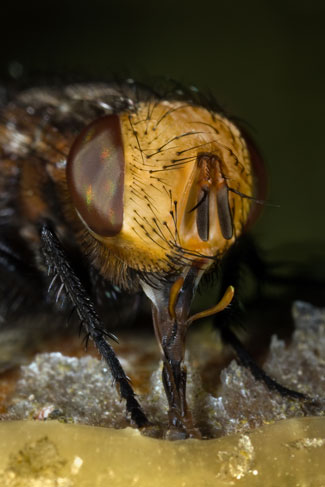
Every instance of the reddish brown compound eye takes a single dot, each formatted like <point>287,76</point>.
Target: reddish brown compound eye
<point>260,179</point>
<point>95,175</point>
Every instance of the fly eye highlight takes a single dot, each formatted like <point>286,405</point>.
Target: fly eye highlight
<point>95,176</point>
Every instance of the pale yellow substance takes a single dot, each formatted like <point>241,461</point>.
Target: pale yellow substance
<point>51,454</point>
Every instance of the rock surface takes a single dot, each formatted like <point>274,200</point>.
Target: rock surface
<point>80,390</point>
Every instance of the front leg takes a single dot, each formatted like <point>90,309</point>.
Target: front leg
<point>171,301</point>
<point>60,268</point>
<point>171,336</point>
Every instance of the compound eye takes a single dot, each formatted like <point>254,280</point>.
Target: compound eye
<point>95,176</point>
<point>260,179</point>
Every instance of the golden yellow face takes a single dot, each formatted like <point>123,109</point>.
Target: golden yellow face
<point>168,185</point>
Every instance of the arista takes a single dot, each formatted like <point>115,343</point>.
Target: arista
<point>150,189</point>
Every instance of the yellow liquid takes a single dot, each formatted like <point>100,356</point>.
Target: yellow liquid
<point>52,454</point>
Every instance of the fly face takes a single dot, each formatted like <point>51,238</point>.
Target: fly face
<point>156,190</point>
<point>153,191</point>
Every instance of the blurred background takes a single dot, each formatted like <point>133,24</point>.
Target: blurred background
<point>263,60</point>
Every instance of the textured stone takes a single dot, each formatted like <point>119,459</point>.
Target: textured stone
<point>80,390</point>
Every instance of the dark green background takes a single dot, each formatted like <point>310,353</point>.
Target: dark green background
<point>264,61</point>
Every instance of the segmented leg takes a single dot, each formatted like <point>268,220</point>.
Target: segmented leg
<point>58,264</point>
<point>247,361</point>
<point>171,334</point>
<point>171,301</point>
<point>245,252</point>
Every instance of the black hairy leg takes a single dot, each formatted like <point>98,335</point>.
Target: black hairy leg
<point>245,253</point>
<point>61,270</point>
<point>247,361</point>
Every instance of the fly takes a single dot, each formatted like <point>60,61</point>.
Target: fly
<point>151,190</point>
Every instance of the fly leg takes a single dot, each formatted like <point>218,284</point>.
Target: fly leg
<point>171,303</point>
<point>171,335</point>
<point>60,268</point>
<point>247,361</point>
<point>245,251</point>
